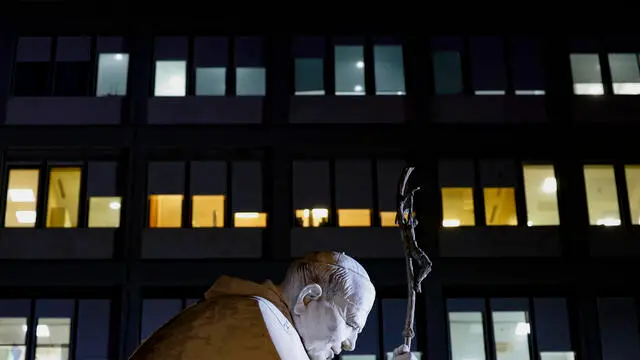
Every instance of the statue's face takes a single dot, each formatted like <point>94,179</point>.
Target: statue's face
<point>329,327</point>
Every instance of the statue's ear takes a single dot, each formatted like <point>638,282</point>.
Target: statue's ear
<point>308,293</point>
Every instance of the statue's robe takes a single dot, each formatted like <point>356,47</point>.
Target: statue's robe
<point>238,319</point>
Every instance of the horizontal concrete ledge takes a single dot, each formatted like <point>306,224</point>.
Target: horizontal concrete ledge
<point>357,242</point>
<point>93,243</point>
<point>213,243</point>
<point>503,241</point>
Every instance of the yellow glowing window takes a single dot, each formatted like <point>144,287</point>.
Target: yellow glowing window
<point>207,211</point>
<point>63,198</point>
<point>250,219</point>
<point>602,195</point>
<point>165,211</point>
<point>632,175</point>
<point>312,217</point>
<point>388,218</point>
<point>457,207</point>
<point>500,206</point>
<point>540,187</point>
<point>354,217</point>
<point>22,197</point>
<point>104,211</point>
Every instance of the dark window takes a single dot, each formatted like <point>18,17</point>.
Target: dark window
<point>447,65</point>
<point>309,66</point>
<point>487,65</point>
<point>528,77</point>
<point>33,67</point>
<point>73,68</point>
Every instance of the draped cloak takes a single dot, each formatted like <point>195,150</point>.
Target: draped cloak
<point>238,319</point>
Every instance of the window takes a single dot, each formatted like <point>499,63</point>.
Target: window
<point>166,189</point>
<point>210,59</point>
<point>22,197</point>
<point>156,312</point>
<point>309,65</point>
<point>527,70</point>
<point>51,327</point>
<point>311,194</point>
<point>602,195</point>
<point>349,68</point>
<point>104,203</point>
<point>353,192</point>
<point>388,173</point>
<point>250,72</point>
<point>170,66</point>
<point>487,65</point>
<point>632,175</point>
<point>113,67</point>
<point>447,65</point>
<point>208,195</point>
<point>498,182</point>
<point>587,78</point>
<point>247,195</point>
<point>625,74</point>
<point>392,310</point>
<point>208,191</point>
<point>63,197</point>
<point>456,186</point>
<point>72,66</point>
<point>389,69</point>
<point>540,188</point>
<point>32,72</point>
<point>507,324</point>
<point>618,328</point>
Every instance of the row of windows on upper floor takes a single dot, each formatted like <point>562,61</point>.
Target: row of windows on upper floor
<point>206,66</point>
<point>478,328</point>
<point>325,193</point>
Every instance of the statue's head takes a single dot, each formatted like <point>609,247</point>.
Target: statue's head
<point>330,295</point>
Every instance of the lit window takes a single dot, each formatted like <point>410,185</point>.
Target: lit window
<point>349,70</point>
<point>211,81</point>
<point>500,206</point>
<point>165,211</point>
<point>170,78</point>
<point>104,211</point>
<point>309,76</point>
<point>354,217</point>
<point>249,61</point>
<point>210,61</point>
<point>63,198</point>
<point>112,74</point>
<point>208,211</point>
<point>540,193</point>
<point>312,217</point>
<point>389,70</point>
<point>512,330</point>
<point>388,219</point>
<point>53,335</point>
<point>250,219</point>
<point>632,174</point>
<point>250,81</point>
<point>602,195</point>
<point>12,338</point>
<point>587,78</point>
<point>22,197</point>
<point>466,335</point>
<point>625,74</point>
<point>457,207</point>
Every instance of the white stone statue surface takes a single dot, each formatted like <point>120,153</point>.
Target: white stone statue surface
<point>317,312</point>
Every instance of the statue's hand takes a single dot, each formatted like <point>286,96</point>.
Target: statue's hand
<point>403,353</point>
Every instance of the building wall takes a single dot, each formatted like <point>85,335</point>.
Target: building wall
<point>527,208</point>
